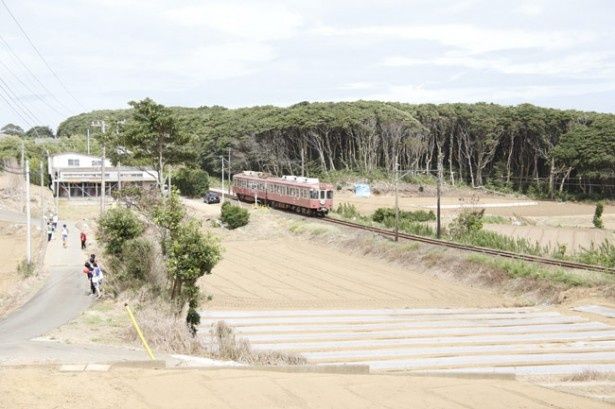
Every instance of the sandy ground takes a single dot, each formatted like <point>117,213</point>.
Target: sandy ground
<point>46,388</point>
<point>264,266</point>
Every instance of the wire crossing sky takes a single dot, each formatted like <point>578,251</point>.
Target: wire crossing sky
<point>63,57</point>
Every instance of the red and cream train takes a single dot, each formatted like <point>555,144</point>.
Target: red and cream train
<point>296,193</point>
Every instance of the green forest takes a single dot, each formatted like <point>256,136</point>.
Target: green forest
<point>541,151</point>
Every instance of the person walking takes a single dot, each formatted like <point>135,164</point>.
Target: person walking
<point>97,279</point>
<point>88,271</point>
<point>64,235</point>
<point>49,232</point>
<point>83,239</point>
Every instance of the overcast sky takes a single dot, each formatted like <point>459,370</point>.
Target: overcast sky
<point>243,53</point>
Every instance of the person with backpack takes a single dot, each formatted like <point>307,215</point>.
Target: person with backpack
<point>97,279</point>
<point>83,239</point>
<point>89,264</point>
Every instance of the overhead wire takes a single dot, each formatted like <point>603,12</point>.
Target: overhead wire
<point>20,105</point>
<point>30,90</point>
<point>8,103</point>
<point>34,76</point>
<point>41,55</point>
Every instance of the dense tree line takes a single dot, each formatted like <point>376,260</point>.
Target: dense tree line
<point>546,151</point>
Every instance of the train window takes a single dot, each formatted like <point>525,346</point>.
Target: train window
<point>322,194</point>
<point>329,194</point>
<point>313,194</point>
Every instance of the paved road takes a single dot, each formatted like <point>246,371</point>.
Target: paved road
<point>63,297</point>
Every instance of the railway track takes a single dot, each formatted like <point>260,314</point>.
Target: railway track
<point>476,249</point>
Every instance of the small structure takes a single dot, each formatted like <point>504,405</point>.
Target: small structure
<point>75,175</point>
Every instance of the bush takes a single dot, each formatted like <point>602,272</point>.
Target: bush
<point>234,216</point>
<point>382,213</point>
<point>603,255</point>
<point>598,215</point>
<point>137,257</point>
<point>348,211</point>
<point>116,227</point>
<point>192,182</point>
<point>492,240</point>
<point>468,221</point>
<point>26,269</point>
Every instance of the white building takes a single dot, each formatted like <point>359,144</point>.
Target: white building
<point>78,175</point>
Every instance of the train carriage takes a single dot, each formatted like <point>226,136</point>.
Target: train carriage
<point>296,193</point>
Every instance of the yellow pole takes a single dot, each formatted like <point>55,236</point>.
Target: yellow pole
<point>134,323</point>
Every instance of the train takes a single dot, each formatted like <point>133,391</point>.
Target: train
<point>299,194</point>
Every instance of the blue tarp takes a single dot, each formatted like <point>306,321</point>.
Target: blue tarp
<point>362,190</point>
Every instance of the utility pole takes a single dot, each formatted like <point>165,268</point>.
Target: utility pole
<point>88,140</point>
<point>28,221</point>
<point>439,190</point>
<point>222,177</point>
<point>102,182</point>
<point>42,202</point>
<point>229,171</point>
<point>396,201</point>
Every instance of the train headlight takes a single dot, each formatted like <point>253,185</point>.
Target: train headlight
<point>322,202</point>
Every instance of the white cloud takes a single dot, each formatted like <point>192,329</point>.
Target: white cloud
<point>263,21</point>
<point>502,93</point>
<point>531,8</point>
<point>467,37</point>
<point>594,64</point>
<point>360,85</point>
<point>219,61</point>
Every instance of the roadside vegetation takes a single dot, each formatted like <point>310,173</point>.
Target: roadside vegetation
<point>234,216</point>
<point>467,228</point>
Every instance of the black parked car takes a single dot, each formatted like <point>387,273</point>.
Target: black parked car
<point>211,197</point>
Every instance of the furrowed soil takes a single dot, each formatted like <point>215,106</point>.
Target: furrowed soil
<point>266,266</point>
<point>143,388</point>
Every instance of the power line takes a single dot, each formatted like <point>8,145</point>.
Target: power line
<point>41,56</point>
<point>13,97</point>
<point>28,89</point>
<point>16,57</point>
<point>8,103</point>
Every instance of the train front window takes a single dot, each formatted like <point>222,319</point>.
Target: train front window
<point>322,194</point>
<point>329,194</point>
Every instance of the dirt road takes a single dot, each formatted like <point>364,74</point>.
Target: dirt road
<point>258,389</point>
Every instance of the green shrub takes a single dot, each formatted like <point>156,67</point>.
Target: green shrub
<point>116,227</point>
<point>467,222</point>
<point>409,226</point>
<point>234,216</point>
<point>494,219</point>
<point>598,215</point>
<point>492,240</point>
<point>191,182</point>
<point>137,258</point>
<point>521,269</point>
<point>417,216</point>
<point>348,211</point>
<point>603,255</point>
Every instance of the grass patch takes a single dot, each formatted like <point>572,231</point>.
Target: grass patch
<point>585,376</point>
<point>521,269</point>
<point>493,240</point>
<point>494,219</point>
<point>227,347</point>
<point>314,229</point>
<point>603,255</point>
<point>26,269</point>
